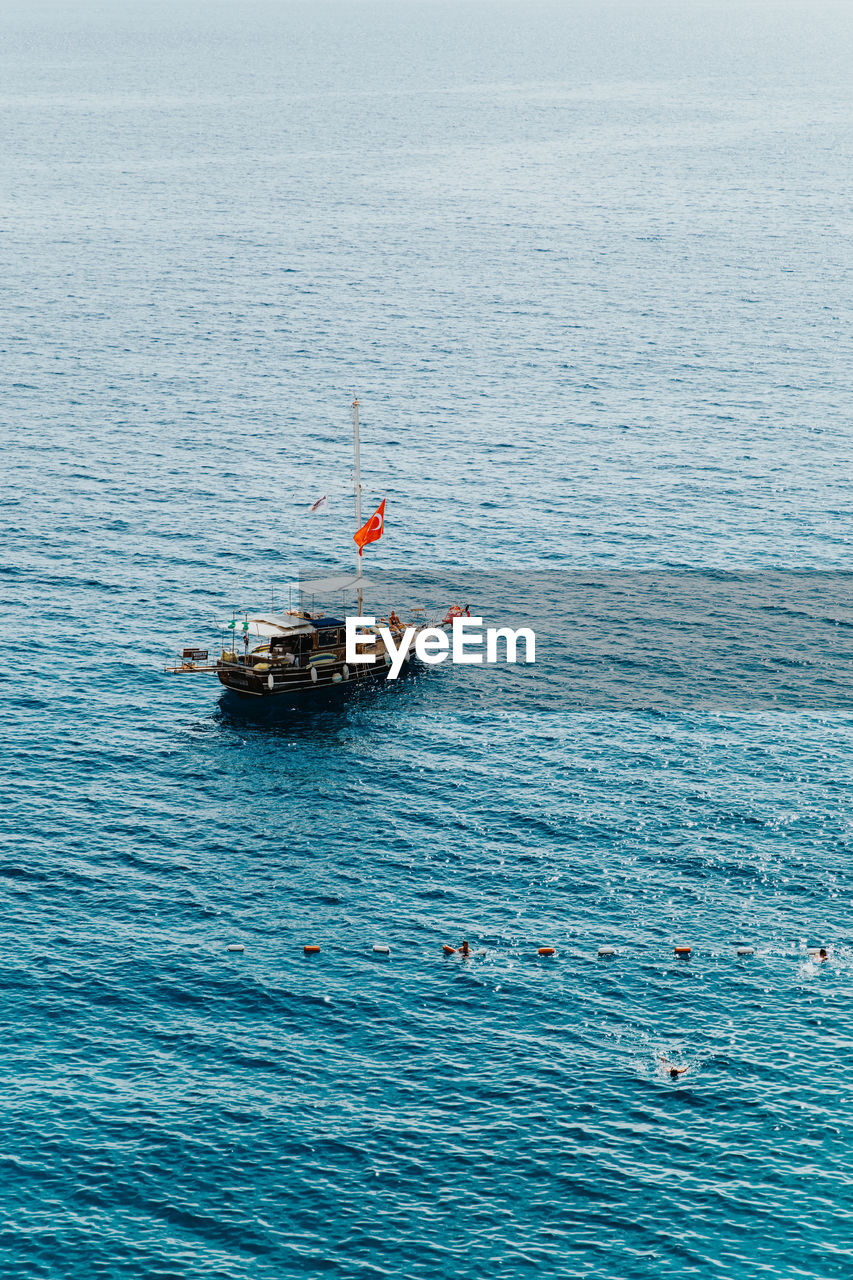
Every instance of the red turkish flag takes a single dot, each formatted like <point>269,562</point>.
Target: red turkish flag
<point>373,530</point>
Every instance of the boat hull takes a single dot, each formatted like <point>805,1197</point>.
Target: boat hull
<point>266,683</point>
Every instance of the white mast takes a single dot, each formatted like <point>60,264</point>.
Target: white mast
<point>357,491</point>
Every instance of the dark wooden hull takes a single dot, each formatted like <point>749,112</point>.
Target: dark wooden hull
<point>273,682</point>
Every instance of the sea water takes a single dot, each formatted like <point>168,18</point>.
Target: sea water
<point>587,267</point>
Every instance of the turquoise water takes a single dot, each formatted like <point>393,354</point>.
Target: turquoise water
<point>588,268</point>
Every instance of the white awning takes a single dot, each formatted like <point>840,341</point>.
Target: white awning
<point>273,625</point>
<point>331,586</point>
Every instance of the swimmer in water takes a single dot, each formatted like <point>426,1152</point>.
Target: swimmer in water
<point>675,1072</point>
<point>465,950</point>
<point>820,955</point>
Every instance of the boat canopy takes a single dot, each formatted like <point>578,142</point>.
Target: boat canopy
<point>271,625</point>
<point>345,582</point>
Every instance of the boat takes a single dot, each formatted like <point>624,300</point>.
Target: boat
<point>270,655</point>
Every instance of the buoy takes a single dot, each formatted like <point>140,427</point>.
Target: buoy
<point>746,951</point>
<point>311,951</point>
<point>337,677</point>
<point>449,951</point>
<point>546,951</point>
<point>236,946</point>
<point>381,948</point>
<point>314,675</point>
<point>270,682</point>
<point>607,951</point>
<point>682,951</point>
<point>345,672</point>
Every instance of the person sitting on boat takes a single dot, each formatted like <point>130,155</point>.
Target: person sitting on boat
<point>394,622</point>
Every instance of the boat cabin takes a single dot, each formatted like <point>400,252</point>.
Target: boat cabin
<point>292,640</point>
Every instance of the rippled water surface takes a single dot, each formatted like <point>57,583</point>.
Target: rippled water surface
<point>588,267</point>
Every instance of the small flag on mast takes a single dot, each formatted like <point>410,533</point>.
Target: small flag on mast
<point>373,530</point>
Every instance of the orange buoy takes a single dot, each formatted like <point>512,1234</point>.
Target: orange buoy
<point>546,951</point>
<point>682,951</point>
<point>449,951</point>
<point>311,951</point>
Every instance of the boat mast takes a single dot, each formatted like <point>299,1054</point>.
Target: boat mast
<point>357,491</point>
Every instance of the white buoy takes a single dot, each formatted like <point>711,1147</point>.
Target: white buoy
<point>236,946</point>
<point>381,948</point>
<point>270,681</point>
<point>314,674</point>
<point>607,951</point>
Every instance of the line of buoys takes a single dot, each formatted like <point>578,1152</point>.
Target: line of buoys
<point>236,946</point>
<point>606,951</point>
